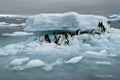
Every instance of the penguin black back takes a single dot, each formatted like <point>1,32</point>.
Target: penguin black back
<point>66,35</point>
<point>55,39</point>
<point>78,32</point>
<point>47,39</point>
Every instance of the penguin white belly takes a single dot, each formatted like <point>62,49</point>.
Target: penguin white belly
<point>93,32</point>
<point>60,41</point>
<point>41,38</point>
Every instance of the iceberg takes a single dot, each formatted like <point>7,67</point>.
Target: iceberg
<point>18,34</point>
<point>103,62</point>
<point>11,25</point>
<point>113,16</point>
<point>74,59</point>
<point>19,61</point>
<point>104,47</point>
<point>63,21</point>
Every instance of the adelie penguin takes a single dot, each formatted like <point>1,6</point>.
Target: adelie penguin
<point>66,35</point>
<point>98,33</point>
<point>41,38</point>
<point>104,29</point>
<point>66,41</point>
<point>47,39</point>
<point>101,27</point>
<point>55,38</point>
<point>78,32</point>
<point>84,32</point>
<point>93,32</point>
<point>59,40</point>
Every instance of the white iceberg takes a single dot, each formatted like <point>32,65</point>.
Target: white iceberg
<point>70,20</point>
<point>17,34</point>
<point>74,59</point>
<point>103,62</point>
<point>113,16</point>
<point>20,61</point>
<point>11,25</point>
<point>34,63</point>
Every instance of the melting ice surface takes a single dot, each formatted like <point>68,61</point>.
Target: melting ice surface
<point>87,57</point>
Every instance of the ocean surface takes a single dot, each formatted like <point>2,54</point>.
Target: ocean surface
<point>52,64</point>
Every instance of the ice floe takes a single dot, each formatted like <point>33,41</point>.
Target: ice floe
<point>74,59</point>
<point>11,25</point>
<point>103,62</point>
<point>18,34</point>
<point>19,61</point>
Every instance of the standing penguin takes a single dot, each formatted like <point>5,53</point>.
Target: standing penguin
<point>55,38</point>
<point>99,27</point>
<point>66,39</point>
<point>78,32</point>
<point>103,27</point>
<point>93,32</point>
<point>59,40</point>
<point>41,38</point>
<point>66,35</point>
<point>84,32</point>
<point>47,39</point>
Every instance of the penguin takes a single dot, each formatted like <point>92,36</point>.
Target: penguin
<point>55,39</point>
<point>66,35</point>
<point>98,33</point>
<point>47,39</point>
<point>78,32</point>
<point>102,27</point>
<point>66,41</point>
<point>93,32</point>
<point>59,40</point>
<point>84,32</point>
<point>41,38</point>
